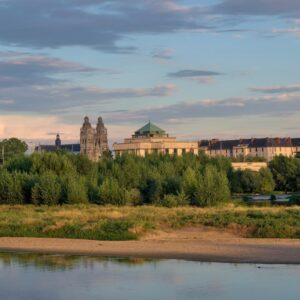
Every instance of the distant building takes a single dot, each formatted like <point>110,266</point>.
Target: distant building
<point>152,139</point>
<point>93,141</point>
<point>73,148</point>
<point>266,148</point>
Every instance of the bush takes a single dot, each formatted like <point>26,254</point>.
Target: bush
<point>10,188</point>
<point>74,191</point>
<point>111,193</point>
<point>47,191</point>
<point>213,187</point>
<point>171,200</point>
<point>294,200</point>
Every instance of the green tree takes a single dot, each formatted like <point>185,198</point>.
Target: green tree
<point>266,181</point>
<point>213,187</point>
<point>190,182</point>
<point>111,193</point>
<point>12,147</point>
<point>285,171</point>
<point>47,191</point>
<point>74,190</point>
<point>10,188</point>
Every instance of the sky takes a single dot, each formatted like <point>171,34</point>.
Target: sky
<point>198,69</point>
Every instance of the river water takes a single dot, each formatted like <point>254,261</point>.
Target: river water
<point>49,277</point>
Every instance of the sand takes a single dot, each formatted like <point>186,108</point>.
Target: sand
<point>198,244</point>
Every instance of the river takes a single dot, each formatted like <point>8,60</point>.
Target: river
<point>54,277</point>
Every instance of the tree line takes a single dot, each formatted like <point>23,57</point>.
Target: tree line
<point>64,178</point>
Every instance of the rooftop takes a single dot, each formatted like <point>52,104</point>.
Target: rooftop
<point>149,129</point>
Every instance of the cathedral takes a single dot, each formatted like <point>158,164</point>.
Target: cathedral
<point>93,141</point>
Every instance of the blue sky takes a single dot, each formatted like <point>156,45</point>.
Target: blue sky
<point>199,69</point>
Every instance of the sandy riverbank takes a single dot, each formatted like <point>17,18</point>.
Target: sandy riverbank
<point>200,244</point>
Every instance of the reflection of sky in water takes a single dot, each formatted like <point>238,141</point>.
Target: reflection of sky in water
<point>40,277</point>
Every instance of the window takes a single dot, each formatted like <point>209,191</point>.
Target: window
<point>183,151</point>
<point>175,151</point>
<point>167,151</point>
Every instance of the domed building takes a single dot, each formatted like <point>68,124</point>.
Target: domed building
<point>152,139</point>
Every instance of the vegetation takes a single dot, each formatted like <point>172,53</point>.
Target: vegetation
<point>125,223</point>
<point>11,147</point>
<point>63,193</point>
<point>63,178</point>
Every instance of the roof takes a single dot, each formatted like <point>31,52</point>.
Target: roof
<point>251,143</point>
<point>296,142</point>
<point>150,128</point>
<point>53,148</point>
<point>71,147</point>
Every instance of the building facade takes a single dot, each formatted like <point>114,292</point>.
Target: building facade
<point>93,141</point>
<point>266,148</point>
<point>152,139</point>
<point>73,148</point>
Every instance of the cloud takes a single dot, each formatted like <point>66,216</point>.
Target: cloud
<point>294,22</point>
<point>211,108</point>
<point>19,69</point>
<point>294,31</point>
<point>64,98</point>
<point>277,89</point>
<point>163,54</point>
<point>32,83</point>
<point>200,76</point>
<point>99,24</point>
<point>258,7</point>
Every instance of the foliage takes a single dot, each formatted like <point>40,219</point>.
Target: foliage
<point>167,180</point>
<point>213,187</point>
<point>47,190</point>
<point>286,173</point>
<point>125,223</point>
<point>12,147</point>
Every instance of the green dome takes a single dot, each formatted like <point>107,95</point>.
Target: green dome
<point>150,129</point>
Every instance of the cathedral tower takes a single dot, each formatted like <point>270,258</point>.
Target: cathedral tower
<point>93,142</point>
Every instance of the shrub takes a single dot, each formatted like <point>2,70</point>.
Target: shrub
<point>10,188</point>
<point>47,191</point>
<point>74,190</point>
<point>213,187</point>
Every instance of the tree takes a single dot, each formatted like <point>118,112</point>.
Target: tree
<point>47,191</point>
<point>111,193</point>
<point>74,190</point>
<point>213,187</point>
<point>152,190</point>
<point>189,183</point>
<point>250,181</point>
<point>266,181</point>
<point>285,171</point>
<point>10,188</point>
<point>12,147</point>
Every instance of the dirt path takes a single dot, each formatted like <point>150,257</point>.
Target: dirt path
<point>199,244</point>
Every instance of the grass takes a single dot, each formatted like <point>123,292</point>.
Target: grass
<point>128,223</point>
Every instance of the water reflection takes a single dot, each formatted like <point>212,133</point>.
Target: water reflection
<point>49,277</point>
<point>63,263</point>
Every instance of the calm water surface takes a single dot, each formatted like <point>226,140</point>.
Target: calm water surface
<point>44,277</point>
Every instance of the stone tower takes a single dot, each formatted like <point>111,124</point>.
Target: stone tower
<point>93,142</point>
<point>58,142</point>
<point>101,138</point>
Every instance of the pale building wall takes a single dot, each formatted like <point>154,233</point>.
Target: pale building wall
<point>266,152</point>
<point>145,146</point>
<point>253,166</point>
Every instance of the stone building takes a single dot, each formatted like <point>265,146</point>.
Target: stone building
<point>152,139</point>
<point>266,148</point>
<point>73,148</point>
<point>93,141</point>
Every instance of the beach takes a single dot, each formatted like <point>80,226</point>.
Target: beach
<point>197,244</point>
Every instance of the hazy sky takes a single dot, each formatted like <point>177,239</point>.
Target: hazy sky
<point>198,69</point>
